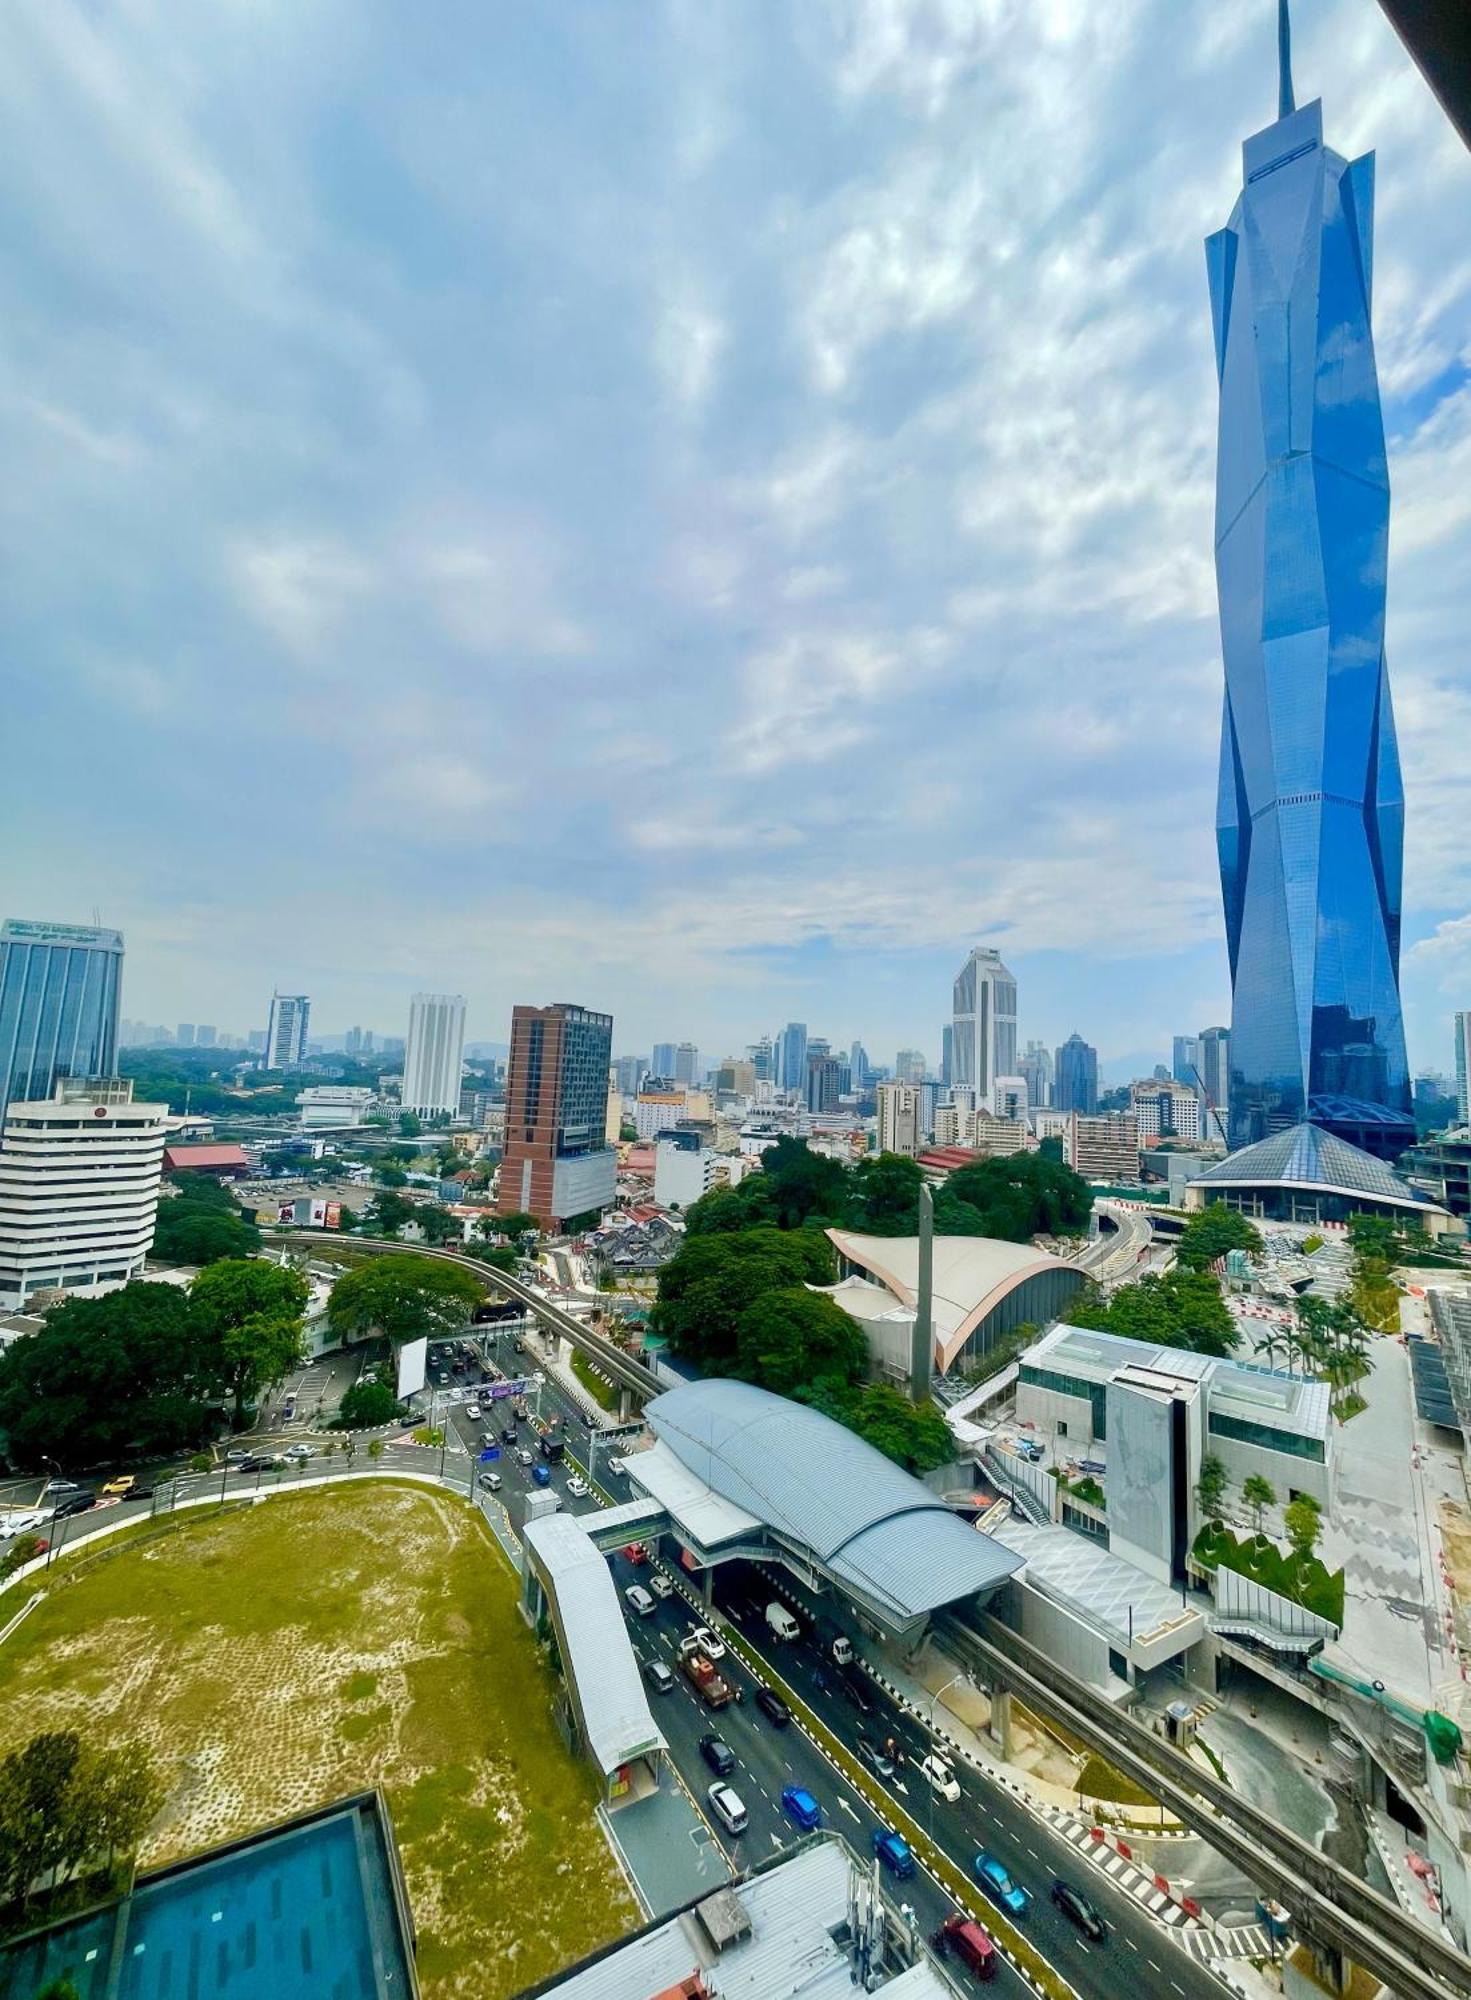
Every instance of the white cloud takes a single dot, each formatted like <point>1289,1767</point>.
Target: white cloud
<point>300,587</point>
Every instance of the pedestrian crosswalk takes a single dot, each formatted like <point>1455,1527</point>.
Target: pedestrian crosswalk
<point>1121,1871</point>
<point>1240,1941</point>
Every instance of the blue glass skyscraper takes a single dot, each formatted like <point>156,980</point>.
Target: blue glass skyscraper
<point>60,985</point>
<point>1310,814</point>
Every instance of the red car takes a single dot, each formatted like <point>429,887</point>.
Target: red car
<point>636,1553</point>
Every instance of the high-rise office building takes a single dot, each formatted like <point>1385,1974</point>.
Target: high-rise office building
<point>434,1054</point>
<point>762,1057</point>
<point>1463,1068</point>
<point>354,1041</point>
<point>686,1063</point>
<point>984,1044</point>
<point>792,1053</point>
<point>1215,1080</point>
<point>629,1072</point>
<point>900,1128</point>
<point>1186,1059</point>
<point>556,1163</point>
<point>1075,1076</point>
<point>184,1035</point>
<point>1035,1065</point>
<point>910,1066</point>
<point>205,1036</point>
<point>947,1054</point>
<point>79,1180</point>
<point>662,1061</point>
<point>858,1066</point>
<point>1310,811</point>
<point>824,1082</point>
<point>60,988</point>
<point>286,1031</point>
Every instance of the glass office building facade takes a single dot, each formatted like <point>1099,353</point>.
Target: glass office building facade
<point>1310,818</point>
<point>60,985</point>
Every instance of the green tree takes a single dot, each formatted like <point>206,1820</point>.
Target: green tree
<point>376,1449</point>
<point>1211,1232</point>
<point>1210,1486</point>
<point>389,1174</point>
<point>410,1124</point>
<point>724,1210</point>
<point>788,1337</point>
<point>108,1378</point>
<point>24,1549</point>
<point>1303,1524</point>
<point>439,1226</point>
<point>249,1316</point>
<point>706,1287</point>
<point>1259,1494</point>
<point>1016,1197</point>
<point>403,1297</point>
<point>189,1231</point>
<point>388,1212</point>
<point>885,1195</point>
<point>38,1822</point>
<point>123,1796</point>
<point>366,1405</point>
<point>515,1225</point>
<point>914,1435</point>
<point>803,1184</point>
<point>1176,1309</point>
<point>500,1257</point>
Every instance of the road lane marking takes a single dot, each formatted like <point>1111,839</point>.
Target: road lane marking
<point>846,1807</point>
<point>1129,1941</point>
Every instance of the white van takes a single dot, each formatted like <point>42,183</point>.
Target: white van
<point>727,1808</point>
<point>638,1599</point>
<point>783,1624</point>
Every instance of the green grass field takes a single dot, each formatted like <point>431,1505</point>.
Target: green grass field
<point>280,1656</point>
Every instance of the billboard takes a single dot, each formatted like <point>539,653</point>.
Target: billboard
<point>413,1359</point>
<point>305,1213</point>
<point>495,1392</point>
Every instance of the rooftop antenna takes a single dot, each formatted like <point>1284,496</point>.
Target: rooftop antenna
<point>1285,105</point>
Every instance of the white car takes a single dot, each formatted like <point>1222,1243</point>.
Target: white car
<point>660,1584</point>
<point>710,1643</point>
<point>578,1487</point>
<point>472,1411</point>
<point>941,1778</point>
<point>300,1453</point>
<point>19,1524</point>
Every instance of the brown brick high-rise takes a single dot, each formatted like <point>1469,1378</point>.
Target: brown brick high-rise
<point>556,1164</point>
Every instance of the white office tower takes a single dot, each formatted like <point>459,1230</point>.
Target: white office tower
<point>984,1038</point>
<point>286,1031</point>
<point>434,1054</point>
<point>79,1179</point>
<point>900,1121</point>
<point>1463,1067</point>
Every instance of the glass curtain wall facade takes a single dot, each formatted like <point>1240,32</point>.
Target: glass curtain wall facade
<point>1310,815</point>
<point>60,987</point>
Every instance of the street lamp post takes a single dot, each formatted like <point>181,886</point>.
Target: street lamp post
<point>45,1486</point>
<point>934,1705</point>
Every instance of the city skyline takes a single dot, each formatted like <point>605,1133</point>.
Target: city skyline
<point>1045,310</point>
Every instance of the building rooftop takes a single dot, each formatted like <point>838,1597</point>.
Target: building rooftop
<point>610,1689</point>
<point>770,1936</point>
<point>210,1158</point>
<point>972,1275</point>
<point>880,1532</point>
<point>1117,1599</point>
<point>310,1908</point>
<point>1260,1395</point>
<point>1309,1157</point>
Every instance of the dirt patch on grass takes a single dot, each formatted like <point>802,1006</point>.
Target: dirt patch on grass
<point>279,1657</point>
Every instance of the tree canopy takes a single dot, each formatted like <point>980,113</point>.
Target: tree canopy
<point>1211,1232</point>
<point>201,1223</point>
<point>108,1378</point>
<point>64,1802</point>
<point>790,1337</point>
<point>707,1286</point>
<point>1175,1309</point>
<point>403,1297</point>
<point>249,1318</point>
<point>1015,1197</point>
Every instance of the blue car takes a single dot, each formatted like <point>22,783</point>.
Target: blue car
<point>801,1808</point>
<point>998,1885</point>
<point>893,1851</point>
<point>540,1476</point>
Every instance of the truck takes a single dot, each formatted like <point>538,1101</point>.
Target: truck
<point>781,1622</point>
<point>835,1644</point>
<point>702,1677</point>
<point>551,1445</point>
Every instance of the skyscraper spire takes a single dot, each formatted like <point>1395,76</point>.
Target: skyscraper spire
<point>1285,105</point>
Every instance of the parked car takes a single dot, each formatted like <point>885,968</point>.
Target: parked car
<point>121,1487</point>
<point>718,1754</point>
<point>940,1778</point>
<point>893,1853</point>
<point>20,1524</point>
<point>1076,1907</point>
<point>74,1503</point>
<point>998,1885</point>
<point>970,1944</point>
<point>727,1808</point>
<point>877,1762</point>
<point>578,1487</point>
<point>773,1707</point>
<point>659,1677</point>
<point>801,1808</point>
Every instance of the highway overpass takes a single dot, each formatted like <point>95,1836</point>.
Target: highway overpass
<point>629,1374</point>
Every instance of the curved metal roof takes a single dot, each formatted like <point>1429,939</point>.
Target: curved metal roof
<point>1309,1157</point>
<point>865,1519</point>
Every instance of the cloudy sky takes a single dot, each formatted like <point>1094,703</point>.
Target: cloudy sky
<point>702,508</point>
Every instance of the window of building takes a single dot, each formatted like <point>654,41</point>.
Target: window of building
<point>1095,1394</point>
<point>1291,1444</point>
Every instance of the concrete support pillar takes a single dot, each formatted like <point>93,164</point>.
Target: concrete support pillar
<point>707,1587</point>
<point>922,1350</point>
<point>1001,1720</point>
<point>625,1405</point>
